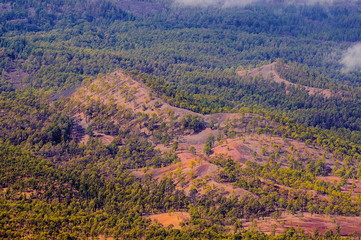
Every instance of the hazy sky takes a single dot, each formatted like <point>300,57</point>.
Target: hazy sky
<point>351,59</point>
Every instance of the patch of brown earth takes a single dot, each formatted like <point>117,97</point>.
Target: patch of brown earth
<point>193,172</point>
<point>262,148</point>
<point>269,72</point>
<point>188,163</point>
<point>167,219</point>
<point>106,139</point>
<point>236,149</point>
<point>103,237</point>
<point>308,222</point>
<point>229,189</point>
<point>351,185</point>
<point>78,132</point>
<point>121,89</point>
<point>222,118</point>
<point>198,138</point>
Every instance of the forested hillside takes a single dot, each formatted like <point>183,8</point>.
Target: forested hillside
<point>156,119</point>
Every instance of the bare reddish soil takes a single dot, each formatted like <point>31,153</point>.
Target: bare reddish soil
<point>103,237</point>
<point>174,218</point>
<point>261,148</point>
<point>121,89</point>
<point>352,185</point>
<point>308,222</point>
<point>269,72</point>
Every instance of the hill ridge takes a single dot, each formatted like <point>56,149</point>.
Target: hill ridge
<point>269,72</point>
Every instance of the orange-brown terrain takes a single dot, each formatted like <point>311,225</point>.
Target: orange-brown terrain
<point>173,218</point>
<point>308,222</point>
<point>352,186</point>
<point>194,169</point>
<point>269,72</point>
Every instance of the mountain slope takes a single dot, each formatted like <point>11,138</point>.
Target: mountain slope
<point>269,72</point>
<point>127,119</point>
<point>248,141</point>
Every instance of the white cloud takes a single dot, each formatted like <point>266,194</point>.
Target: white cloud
<point>351,59</point>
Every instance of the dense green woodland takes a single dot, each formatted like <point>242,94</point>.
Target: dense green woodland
<point>55,187</point>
